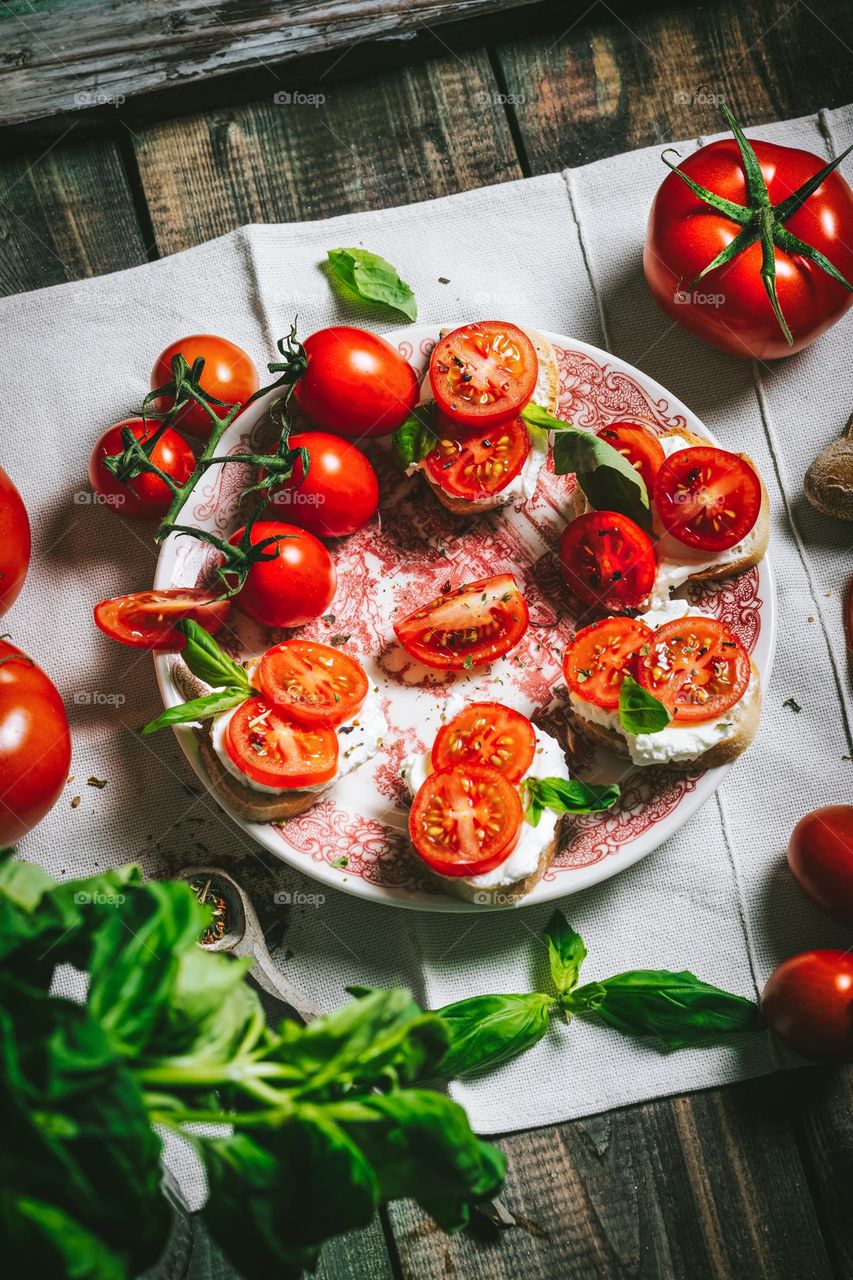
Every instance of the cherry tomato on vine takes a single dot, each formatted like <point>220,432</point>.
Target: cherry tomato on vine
<point>480,463</point>
<point>486,733</point>
<point>312,683</point>
<point>600,656</point>
<point>820,855</point>
<point>808,1004</point>
<point>696,667</point>
<point>469,627</point>
<point>146,496</point>
<point>148,619</point>
<point>707,498</point>
<point>356,383</point>
<point>465,821</point>
<point>271,749</point>
<point>35,745</point>
<point>339,495</point>
<point>293,587</point>
<point>483,373</point>
<point>14,542</point>
<point>607,561</point>
<point>228,375</point>
<point>639,445</point>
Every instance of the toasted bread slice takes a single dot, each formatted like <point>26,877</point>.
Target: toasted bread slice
<point>254,806</point>
<point>547,394</point>
<point>760,531</point>
<point>500,895</point>
<point>747,712</point>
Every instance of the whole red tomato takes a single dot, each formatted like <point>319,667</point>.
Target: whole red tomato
<point>356,383</point>
<point>228,374</point>
<point>293,588</point>
<point>340,493</point>
<point>14,542</point>
<point>35,745</point>
<point>808,1004</point>
<point>729,307</point>
<point>146,497</point>
<point>820,855</point>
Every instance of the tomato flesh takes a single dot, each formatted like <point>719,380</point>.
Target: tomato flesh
<point>707,498</point>
<point>312,683</point>
<point>479,464</point>
<point>356,383</point>
<point>35,745</point>
<point>608,561</point>
<point>601,655</point>
<point>639,445</point>
<point>228,375</point>
<point>696,667</point>
<point>820,855</point>
<point>146,496</point>
<point>148,619</point>
<point>483,373</point>
<point>808,1004</point>
<point>276,752</point>
<point>295,585</point>
<point>469,627</point>
<point>486,733</point>
<point>14,542</point>
<point>340,493</point>
<point>464,822</point>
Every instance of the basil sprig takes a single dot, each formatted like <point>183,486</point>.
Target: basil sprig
<point>360,276</point>
<point>678,1009</point>
<point>414,438</point>
<point>210,663</point>
<point>639,710</point>
<point>603,473</point>
<point>566,796</point>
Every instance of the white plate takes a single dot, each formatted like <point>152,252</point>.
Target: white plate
<point>405,559</point>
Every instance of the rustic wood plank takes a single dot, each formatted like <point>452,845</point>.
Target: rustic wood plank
<point>708,1187</point>
<point>68,58</point>
<point>66,211</point>
<point>625,75</point>
<point>209,173</point>
<point>823,1107</point>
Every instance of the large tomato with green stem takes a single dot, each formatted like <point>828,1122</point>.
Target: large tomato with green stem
<point>750,245</point>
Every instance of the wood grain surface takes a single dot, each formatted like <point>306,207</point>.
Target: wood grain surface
<point>744,1182</point>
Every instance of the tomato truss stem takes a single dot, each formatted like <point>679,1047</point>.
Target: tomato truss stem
<point>762,220</point>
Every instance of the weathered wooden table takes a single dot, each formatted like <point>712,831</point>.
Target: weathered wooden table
<point>423,99</point>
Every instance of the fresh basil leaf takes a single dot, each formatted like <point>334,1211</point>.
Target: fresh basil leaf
<point>421,1146</point>
<point>208,661</point>
<point>360,276</point>
<point>568,796</point>
<point>486,1031</point>
<point>198,709</point>
<point>639,710</point>
<point>678,1008</point>
<point>41,1240</point>
<point>605,475</point>
<point>210,1008</point>
<point>413,439</point>
<point>566,952</point>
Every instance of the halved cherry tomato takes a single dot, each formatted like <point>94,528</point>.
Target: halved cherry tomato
<point>468,627</point>
<point>607,560</point>
<point>486,733</point>
<point>600,657</point>
<point>707,498</point>
<point>483,373</point>
<point>312,683</point>
<point>146,497</point>
<point>14,542</point>
<point>274,751</point>
<point>356,383</point>
<point>639,445</point>
<point>465,821</point>
<point>228,375</point>
<point>147,619</point>
<point>808,1003</point>
<point>696,667</point>
<point>479,464</point>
